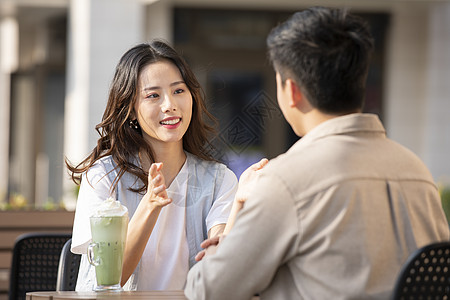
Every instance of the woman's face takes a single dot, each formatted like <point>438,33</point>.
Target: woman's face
<point>164,104</point>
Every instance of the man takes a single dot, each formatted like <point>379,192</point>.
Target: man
<point>336,216</point>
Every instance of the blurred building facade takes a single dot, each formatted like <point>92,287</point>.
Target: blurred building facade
<point>57,58</point>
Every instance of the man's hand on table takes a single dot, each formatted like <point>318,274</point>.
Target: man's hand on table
<point>210,246</point>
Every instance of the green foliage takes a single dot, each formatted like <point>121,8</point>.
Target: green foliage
<point>17,201</point>
<point>445,198</point>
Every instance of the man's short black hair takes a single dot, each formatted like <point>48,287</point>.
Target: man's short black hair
<point>327,52</point>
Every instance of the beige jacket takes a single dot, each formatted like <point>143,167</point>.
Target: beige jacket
<point>333,218</point>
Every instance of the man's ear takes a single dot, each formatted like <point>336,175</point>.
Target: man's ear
<point>295,93</point>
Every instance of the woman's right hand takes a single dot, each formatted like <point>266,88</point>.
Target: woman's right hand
<point>144,219</point>
<point>156,191</point>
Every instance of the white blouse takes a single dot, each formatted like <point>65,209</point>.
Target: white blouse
<point>164,263</point>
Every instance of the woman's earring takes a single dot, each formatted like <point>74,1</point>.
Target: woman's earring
<point>134,124</point>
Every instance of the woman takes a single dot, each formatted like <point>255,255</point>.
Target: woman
<point>152,156</point>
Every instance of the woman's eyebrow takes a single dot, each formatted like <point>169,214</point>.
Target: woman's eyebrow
<point>158,87</point>
<point>177,82</point>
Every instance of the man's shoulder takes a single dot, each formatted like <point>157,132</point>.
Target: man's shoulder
<point>291,160</point>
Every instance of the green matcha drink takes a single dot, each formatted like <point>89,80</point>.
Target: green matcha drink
<point>109,233</point>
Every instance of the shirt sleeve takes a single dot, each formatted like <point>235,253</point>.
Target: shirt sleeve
<point>265,236</point>
<point>221,207</point>
<point>95,188</point>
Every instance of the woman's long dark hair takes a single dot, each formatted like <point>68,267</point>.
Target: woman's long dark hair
<point>124,142</point>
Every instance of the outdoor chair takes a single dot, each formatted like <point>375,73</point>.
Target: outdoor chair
<point>69,264</point>
<point>425,274</point>
<point>35,263</point>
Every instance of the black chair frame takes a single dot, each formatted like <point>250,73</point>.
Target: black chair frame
<point>35,263</point>
<point>425,274</point>
<point>69,264</point>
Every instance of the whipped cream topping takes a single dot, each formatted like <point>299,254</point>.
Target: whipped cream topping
<point>110,208</point>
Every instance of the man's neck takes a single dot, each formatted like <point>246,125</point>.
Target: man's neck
<point>315,117</point>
